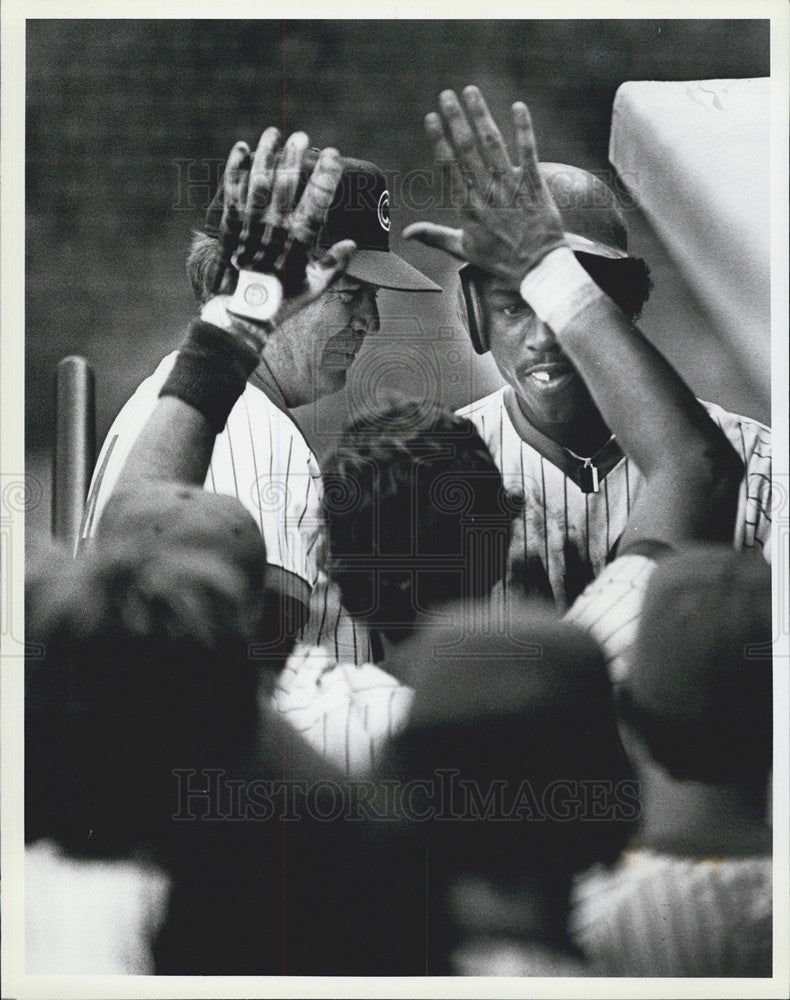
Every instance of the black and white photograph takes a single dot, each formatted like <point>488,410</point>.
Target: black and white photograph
<point>394,561</point>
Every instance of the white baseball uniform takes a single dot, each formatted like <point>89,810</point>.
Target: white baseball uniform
<point>262,458</point>
<point>348,713</point>
<point>573,533</point>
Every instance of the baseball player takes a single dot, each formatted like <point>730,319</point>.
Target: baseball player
<point>545,430</point>
<point>691,469</point>
<point>260,455</point>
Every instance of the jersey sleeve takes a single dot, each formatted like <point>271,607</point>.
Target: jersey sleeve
<point>752,442</point>
<point>260,457</point>
<point>610,608</point>
<point>346,712</point>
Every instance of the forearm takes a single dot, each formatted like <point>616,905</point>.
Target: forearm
<point>653,414</point>
<point>175,444</point>
<point>207,379</point>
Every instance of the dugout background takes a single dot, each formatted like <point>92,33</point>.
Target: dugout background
<point>128,121</point>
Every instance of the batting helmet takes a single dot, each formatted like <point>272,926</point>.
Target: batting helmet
<point>596,232</point>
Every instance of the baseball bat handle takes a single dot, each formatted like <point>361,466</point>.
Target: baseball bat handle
<point>75,446</point>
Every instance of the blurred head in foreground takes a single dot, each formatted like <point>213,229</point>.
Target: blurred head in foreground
<point>141,663</point>
<point>416,515</point>
<point>699,694</point>
<point>518,778</point>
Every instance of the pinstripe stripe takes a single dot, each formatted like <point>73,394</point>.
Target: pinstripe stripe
<point>306,502</point>
<point>336,631</point>
<point>627,488</point>
<point>233,466</point>
<point>271,450</point>
<point>545,515</point>
<point>254,460</point>
<point>526,502</point>
<point>287,488</point>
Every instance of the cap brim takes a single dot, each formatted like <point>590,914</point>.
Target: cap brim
<point>387,270</point>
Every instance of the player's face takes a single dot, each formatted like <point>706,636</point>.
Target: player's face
<point>550,392</point>
<point>313,351</point>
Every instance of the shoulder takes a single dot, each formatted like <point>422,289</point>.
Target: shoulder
<point>739,429</point>
<point>482,407</point>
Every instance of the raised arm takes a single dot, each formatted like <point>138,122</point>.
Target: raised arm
<point>513,230</point>
<point>268,235</point>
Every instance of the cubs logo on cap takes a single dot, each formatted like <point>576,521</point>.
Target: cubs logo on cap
<point>359,212</point>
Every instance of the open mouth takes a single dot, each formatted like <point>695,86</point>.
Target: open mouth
<point>550,376</point>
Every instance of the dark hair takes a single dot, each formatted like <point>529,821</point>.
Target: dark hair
<point>202,267</point>
<point>139,665</point>
<point>416,514</point>
<point>626,281</point>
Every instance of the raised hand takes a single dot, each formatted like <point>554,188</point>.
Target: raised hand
<point>510,221</point>
<point>267,237</point>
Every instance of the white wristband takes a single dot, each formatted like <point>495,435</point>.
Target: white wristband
<point>216,311</point>
<point>558,288</point>
<point>257,296</point>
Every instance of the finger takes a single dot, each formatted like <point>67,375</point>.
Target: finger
<point>309,215</point>
<point>442,153</point>
<point>321,274</point>
<point>233,191</point>
<point>526,150</point>
<point>461,136</point>
<point>441,237</point>
<point>258,195</point>
<point>262,172</point>
<point>286,180</point>
<point>234,184</point>
<point>489,137</point>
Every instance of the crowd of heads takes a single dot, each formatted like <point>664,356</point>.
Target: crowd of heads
<point>153,652</point>
<point>145,667</point>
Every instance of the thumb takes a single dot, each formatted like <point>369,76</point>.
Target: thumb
<point>441,237</point>
<point>320,275</point>
<point>329,268</point>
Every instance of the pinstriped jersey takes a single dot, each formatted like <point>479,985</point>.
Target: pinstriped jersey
<point>573,534</point>
<point>348,713</point>
<point>262,458</point>
<point>655,914</point>
<point>610,608</point>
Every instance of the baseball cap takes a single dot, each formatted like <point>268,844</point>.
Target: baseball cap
<point>699,689</point>
<point>359,212</point>
<point>169,513</point>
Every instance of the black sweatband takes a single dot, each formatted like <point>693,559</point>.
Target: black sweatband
<point>211,371</point>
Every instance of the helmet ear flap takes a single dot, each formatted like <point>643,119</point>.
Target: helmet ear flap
<point>474,312</point>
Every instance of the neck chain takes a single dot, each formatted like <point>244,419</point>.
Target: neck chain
<point>588,473</point>
<point>584,471</point>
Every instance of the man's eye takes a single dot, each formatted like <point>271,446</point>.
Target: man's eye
<point>515,309</point>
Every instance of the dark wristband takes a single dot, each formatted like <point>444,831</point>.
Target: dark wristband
<point>211,371</point>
